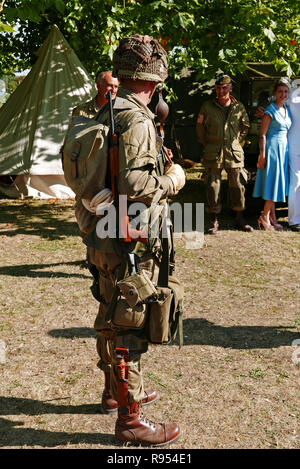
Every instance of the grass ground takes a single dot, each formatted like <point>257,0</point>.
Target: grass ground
<point>234,383</point>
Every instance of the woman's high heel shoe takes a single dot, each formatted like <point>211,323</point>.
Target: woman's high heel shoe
<point>266,226</point>
<point>276,225</point>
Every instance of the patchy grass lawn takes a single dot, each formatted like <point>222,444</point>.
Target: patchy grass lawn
<point>234,384</point>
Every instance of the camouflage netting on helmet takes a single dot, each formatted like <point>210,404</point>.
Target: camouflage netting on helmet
<point>140,58</point>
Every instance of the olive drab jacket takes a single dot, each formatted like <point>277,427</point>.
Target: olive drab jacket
<point>221,133</point>
<point>139,146</point>
<point>88,109</point>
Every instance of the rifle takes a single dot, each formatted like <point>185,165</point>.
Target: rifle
<point>167,264</point>
<point>113,149</point>
<point>127,234</point>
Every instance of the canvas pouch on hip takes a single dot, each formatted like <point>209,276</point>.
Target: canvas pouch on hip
<point>136,288</point>
<point>131,308</point>
<point>165,314</point>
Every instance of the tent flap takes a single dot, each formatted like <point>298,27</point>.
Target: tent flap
<point>34,119</point>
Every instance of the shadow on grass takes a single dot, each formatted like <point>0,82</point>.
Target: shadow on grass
<point>34,270</point>
<point>44,219</point>
<point>74,332</point>
<point>199,331</point>
<point>12,436</point>
<point>17,406</point>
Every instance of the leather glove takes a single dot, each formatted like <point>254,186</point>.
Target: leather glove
<point>177,176</point>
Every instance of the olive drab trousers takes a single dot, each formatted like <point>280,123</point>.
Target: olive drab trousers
<point>111,336</point>
<point>236,188</point>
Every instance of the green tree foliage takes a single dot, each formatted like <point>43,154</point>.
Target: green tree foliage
<point>8,84</point>
<point>204,35</point>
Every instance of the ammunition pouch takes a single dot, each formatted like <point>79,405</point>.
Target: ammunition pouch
<point>157,309</point>
<point>129,317</point>
<point>158,326</point>
<point>137,288</point>
<point>165,314</point>
<point>131,309</point>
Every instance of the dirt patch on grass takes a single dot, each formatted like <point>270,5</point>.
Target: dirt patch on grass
<point>234,384</point>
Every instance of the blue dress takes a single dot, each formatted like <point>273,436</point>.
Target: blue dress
<point>272,182</point>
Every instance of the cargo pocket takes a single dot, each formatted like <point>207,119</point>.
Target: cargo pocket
<point>237,151</point>
<point>243,176</point>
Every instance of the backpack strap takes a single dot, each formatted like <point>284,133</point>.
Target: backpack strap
<point>75,155</point>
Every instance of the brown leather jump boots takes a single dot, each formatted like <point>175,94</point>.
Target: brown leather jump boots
<point>131,425</point>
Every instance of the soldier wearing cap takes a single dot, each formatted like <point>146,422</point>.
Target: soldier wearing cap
<point>222,126</point>
<point>140,63</point>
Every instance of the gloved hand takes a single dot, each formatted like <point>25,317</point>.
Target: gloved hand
<point>177,176</point>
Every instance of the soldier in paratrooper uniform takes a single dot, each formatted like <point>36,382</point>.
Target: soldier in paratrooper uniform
<point>140,63</point>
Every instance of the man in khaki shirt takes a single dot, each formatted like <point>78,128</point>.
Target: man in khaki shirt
<point>105,82</point>
<point>140,63</point>
<point>222,125</point>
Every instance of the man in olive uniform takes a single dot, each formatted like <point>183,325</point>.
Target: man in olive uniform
<point>105,82</point>
<point>140,63</point>
<point>222,125</point>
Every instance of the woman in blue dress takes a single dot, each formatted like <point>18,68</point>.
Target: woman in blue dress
<point>272,183</point>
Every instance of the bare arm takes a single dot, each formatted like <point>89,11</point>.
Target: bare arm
<point>265,122</point>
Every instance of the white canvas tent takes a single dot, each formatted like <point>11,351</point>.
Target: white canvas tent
<point>34,120</point>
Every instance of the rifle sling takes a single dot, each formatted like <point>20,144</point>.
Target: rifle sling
<point>167,261</point>
<point>163,276</point>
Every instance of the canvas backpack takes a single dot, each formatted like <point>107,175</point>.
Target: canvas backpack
<point>85,156</point>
